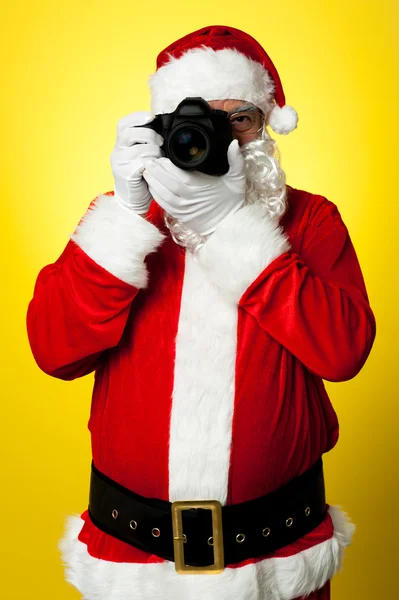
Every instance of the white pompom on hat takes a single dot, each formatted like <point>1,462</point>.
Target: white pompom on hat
<point>220,63</point>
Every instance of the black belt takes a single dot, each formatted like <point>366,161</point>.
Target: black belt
<point>202,536</point>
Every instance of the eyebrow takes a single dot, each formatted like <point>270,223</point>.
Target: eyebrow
<point>243,108</point>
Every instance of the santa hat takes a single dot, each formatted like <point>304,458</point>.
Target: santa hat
<point>218,63</point>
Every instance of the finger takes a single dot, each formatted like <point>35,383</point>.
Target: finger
<point>170,178</point>
<point>141,152</point>
<point>162,195</point>
<point>235,159</point>
<point>189,178</point>
<point>165,198</point>
<point>138,150</point>
<point>138,135</point>
<point>134,120</point>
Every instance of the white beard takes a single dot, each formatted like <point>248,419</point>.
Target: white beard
<point>265,185</point>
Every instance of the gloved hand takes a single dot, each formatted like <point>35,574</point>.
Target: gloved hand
<point>198,200</point>
<point>133,144</point>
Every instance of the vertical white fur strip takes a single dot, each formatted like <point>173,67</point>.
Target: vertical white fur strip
<point>204,389</point>
<point>274,578</point>
<point>243,245</point>
<point>117,239</point>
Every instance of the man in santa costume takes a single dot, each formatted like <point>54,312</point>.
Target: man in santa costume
<point>210,308</point>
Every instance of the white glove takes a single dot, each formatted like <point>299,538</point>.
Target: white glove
<point>198,200</point>
<point>133,144</point>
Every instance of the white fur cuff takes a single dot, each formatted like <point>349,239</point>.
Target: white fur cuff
<point>117,239</point>
<point>243,245</point>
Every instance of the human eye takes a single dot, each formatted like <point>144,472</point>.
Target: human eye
<point>241,122</point>
<point>240,119</point>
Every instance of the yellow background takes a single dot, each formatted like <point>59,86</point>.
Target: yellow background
<point>70,71</point>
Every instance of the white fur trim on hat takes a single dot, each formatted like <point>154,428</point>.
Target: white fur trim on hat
<point>212,75</point>
<point>283,120</point>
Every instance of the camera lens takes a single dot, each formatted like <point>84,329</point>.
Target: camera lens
<point>189,146</point>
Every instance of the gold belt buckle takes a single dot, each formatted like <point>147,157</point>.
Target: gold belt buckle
<point>217,534</point>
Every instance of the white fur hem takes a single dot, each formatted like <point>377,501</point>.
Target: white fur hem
<point>274,578</point>
<point>243,245</point>
<point>117,239</point>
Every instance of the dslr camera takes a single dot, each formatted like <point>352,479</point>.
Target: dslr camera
<point>196,137</point>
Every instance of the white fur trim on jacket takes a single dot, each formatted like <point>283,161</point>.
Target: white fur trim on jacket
<point>273,578</point>
<point>212,75</point>
<point>117,239</point>
<point>243,245</point>
<point>204,391</point>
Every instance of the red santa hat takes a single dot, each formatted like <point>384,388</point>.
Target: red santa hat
<point>219,63</point>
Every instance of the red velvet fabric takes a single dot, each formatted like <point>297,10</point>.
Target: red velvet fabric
<point>313,300</point>
<point>78,311</point>
<point>305,318</point>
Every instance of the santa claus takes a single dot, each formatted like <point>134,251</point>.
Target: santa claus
<point>210,309</point>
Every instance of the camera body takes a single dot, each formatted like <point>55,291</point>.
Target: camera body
<point>196,137</point>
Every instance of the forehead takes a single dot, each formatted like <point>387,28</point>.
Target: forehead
<point>227,105</point>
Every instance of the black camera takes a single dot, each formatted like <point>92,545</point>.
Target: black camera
<point>196,137</point>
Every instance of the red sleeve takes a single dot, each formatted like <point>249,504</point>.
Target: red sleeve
<point>78,310</point>
<point>81,303</point>
<point>315,303</point>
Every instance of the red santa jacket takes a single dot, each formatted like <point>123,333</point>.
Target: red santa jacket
<point>208,377</point>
